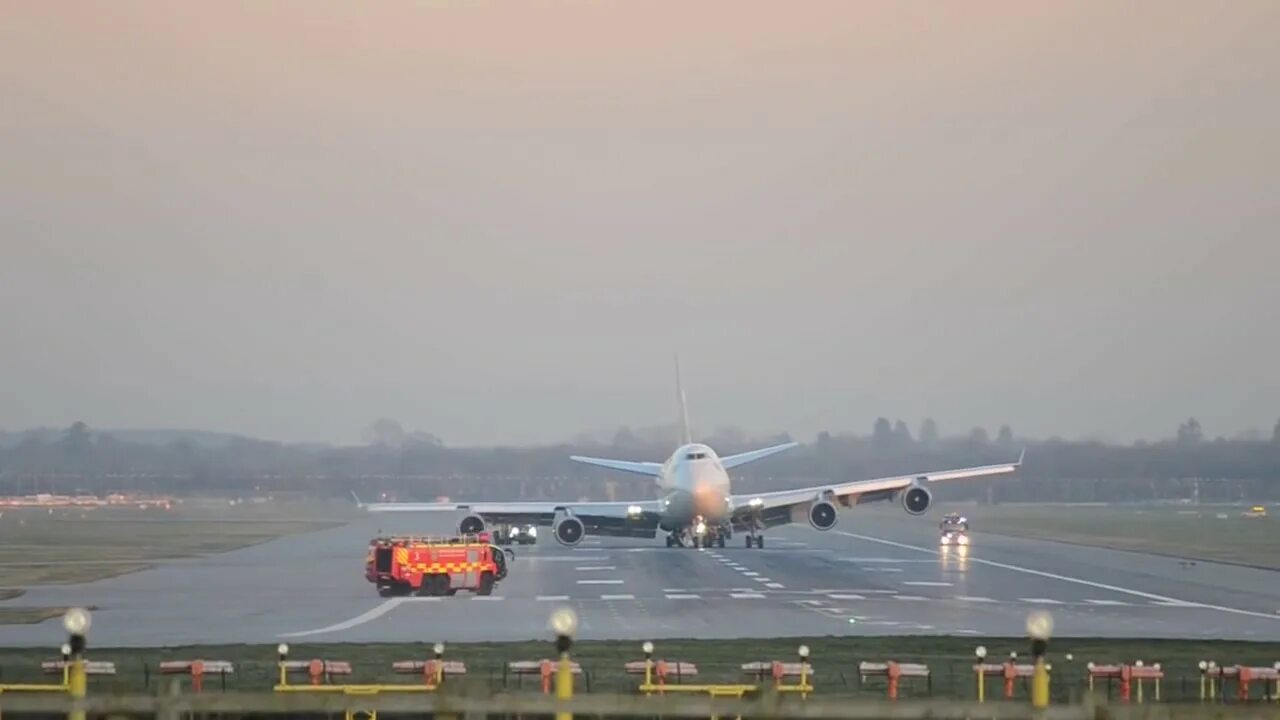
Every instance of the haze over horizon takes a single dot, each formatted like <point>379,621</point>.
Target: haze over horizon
<point>497,223</point>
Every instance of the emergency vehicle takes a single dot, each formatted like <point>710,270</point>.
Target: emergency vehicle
<point>954,530</point>
<point>415,565</point>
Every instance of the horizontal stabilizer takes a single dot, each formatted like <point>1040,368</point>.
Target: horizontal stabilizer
<point>733,461</point>
<point>651,469</point>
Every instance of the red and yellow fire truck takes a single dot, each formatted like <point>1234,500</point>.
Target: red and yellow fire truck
<point>415,565</point>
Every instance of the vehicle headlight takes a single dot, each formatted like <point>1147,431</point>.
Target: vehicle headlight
<point>946,540</point>
<point>533,531</point>
<point>964,539</point>
<point>700,528</point>
<point>515,531</point>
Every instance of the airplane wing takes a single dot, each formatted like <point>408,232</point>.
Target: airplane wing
<point>651,469</point>
<point>733,461</point>
<point>786,506</point>
<point>616,519</point>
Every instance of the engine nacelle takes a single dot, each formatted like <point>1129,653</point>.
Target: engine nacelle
<point>823,515</point>
<point>916,499</point>
<point>471,525</point>
<point>569,531</point>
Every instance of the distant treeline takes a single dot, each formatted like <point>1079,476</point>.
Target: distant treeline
<point>419,466</point>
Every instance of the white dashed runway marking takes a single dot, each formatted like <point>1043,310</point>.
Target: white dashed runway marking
<point>847,597</point>
<point>552,598</point>
<point>926,583</point>
<point>683,596</point>
<point>974,598</point>
<point>746,596</point>
<point>1041,601</point>
<point>1091,601</point>
<point>599,582</point>
<point>617,597</point>
<point>594,568</point>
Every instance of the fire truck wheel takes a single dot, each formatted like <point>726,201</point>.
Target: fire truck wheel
<point>386,591</point>
<point>720,541</point>
<point>486,584</point>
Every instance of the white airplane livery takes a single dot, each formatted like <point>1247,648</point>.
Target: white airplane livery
<point>696,504</point>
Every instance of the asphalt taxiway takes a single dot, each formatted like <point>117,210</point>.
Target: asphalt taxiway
<point>877,573</point>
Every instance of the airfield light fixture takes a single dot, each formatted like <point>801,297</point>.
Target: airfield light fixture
<point>1070,657</point>
<point>438,649</point>
<point>1277,666</point>
<point>564,621</point>
<point>804,653</point>
<point>1203,665</point>
<point>647,648</point>
<point>981,652</point>
<point>1040,625</point>
<point>77,621</point>
<point>283,651</point>
<point>1013,654</point>
<point>66,652</point>
<point>1137,663</point>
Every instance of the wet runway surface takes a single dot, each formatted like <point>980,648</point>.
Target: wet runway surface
<point>875,574</point>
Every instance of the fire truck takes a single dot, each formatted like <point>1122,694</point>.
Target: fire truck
<point>418,565</point>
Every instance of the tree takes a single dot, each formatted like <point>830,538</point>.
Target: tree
<point>1190,432</point>
<point>422,438</point>
<point>882,433</point>
<point>385,432</point>
<point>928,433</point>
<point>1004,438</point>
<point>77,443</point>
<point>902,435</point>
<point>1275,433</point>
<point>979,436</point>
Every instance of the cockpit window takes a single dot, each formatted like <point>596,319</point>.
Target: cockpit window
<point>696,456</point>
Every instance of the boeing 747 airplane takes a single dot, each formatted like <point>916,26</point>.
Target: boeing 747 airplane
<point>696,504</point>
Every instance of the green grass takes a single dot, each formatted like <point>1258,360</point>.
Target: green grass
<point>1182,531</point>
<point>72,546</point>
<point>835,661</point>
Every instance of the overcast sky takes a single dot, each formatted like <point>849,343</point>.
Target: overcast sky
<point>498,221</point>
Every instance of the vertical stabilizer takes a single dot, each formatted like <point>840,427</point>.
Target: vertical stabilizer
<point>686,436</point>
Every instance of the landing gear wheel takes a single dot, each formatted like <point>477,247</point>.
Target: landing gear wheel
<point>749,540</point>
<point>759,542</point>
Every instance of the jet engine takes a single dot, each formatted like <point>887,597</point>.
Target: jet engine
<point>471,525</point>
<point>916,499</point>
<point>823,515</point>
<point>569,531</point>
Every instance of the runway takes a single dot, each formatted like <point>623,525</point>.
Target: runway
<point>877,573</point>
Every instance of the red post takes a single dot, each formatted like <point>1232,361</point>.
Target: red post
<point>1126,682</point>
<point>316,670</point>
<point>662,674</point>
<point>546,677</point>
<point>429,672</point>
<point>894,673</point>
<point>1244,676</point>
<point>197,676</point>
<point>1010,674</point>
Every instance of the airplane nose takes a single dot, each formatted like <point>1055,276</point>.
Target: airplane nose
<point>709,502</point>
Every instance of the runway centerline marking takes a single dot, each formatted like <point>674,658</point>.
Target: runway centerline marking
<point>1091,601</point>
<point>617,597</point>
<point>1041,601</point>
<point>746,596</point>
<point>973,598</point>
<point>552,598</point>
<point>927,583</point>
<point>594,568</point>
<point>1066,578</point>
<point>599,582</point>
<point>683,596</point>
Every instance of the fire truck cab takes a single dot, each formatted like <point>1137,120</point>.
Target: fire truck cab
<point>415,565</point>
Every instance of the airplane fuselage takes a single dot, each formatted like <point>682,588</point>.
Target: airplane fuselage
<point>694,486</point>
